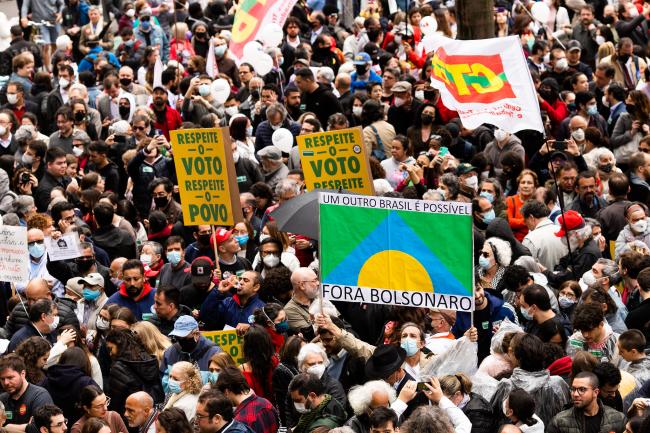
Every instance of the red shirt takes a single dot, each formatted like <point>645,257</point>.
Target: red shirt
<point>19,113</point>
<point>171,122</point>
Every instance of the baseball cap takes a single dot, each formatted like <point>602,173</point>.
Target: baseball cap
<point>573,221</point>
<point>464,168</point>
<point>270,152</point>
<point>201,270</point>
<point>222,235</point>
<point>184,326</point>
<point>401,86</point>
<point>362,58</point>
<point>92,279</point>
<point>559,155</point>
<point>573,45</point>
<point>301,61</point>
<point>75,286</point>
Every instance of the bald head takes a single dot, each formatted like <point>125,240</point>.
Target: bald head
<point>137,408</point>
<point>302,274</point>
<point>37,289</point>
<point>578,122</point>
<point>116,267</point>
<point>342,82</point>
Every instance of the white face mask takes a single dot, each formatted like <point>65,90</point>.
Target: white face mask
<point>300,407</point>
<point>605,101</point>
<point>27,159</point>
<point>264,236</point>
<point>547,57</point>
<point>357,111</point>
<point>145,259</point>
<point>578,134</point>
<point>12,98</point>
<point>54,324</point>
<point>500,135</point>
<point>561,64</point>
<point>317,370</point>
<point>102,324</point>
<point>419,95</point>
<point>640,226</point>
<point>232,110</point>
<point>64,83</point>
<point>600,40</point>
<point>130,13</point>
<point>78,151</point>
<point>275,127</point>
<point>633,11</point>
<point>3,131</point>
<point>249,131</point>
<point>398,102</point>
<point>271,261</point>
<point>472,182</point>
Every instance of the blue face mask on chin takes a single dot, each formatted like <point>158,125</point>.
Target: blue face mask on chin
<point>489,216</point>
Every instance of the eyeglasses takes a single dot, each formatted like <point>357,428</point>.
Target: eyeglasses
<point>315,281</point>
<point>644,150</point>
<point>35,242</point>
<point>139,128</point>
<point>198,417</point>
<point>580,390</point>
<point>105,404</point>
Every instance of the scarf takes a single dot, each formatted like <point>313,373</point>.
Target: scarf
<point>308,418</point>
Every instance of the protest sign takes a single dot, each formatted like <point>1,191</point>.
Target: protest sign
<point>335,160</point>
<point>206,176</point>
<point>485,81</point>
<point>14,259</point>
<point>66,247</point>
<point>253,17</point>
<point>396,251</point>
<point>229,342</point>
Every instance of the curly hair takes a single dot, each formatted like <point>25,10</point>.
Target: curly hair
<point>39,221</point>
<point>427,419</point>
<point>193,381</point>
<point>30,350</point>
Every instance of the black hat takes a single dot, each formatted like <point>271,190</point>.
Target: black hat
<point>386,360</point>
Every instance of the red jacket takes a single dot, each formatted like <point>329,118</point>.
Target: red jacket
<point>172,121</point>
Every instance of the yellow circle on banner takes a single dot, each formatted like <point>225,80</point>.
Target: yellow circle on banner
<point>394,270</point>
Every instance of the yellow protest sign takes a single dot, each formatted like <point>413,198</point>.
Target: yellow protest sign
<point>336,160</point>
<point>229,342</point>
<point>206,176</point>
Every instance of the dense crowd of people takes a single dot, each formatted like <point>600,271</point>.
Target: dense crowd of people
<point>113,340</point>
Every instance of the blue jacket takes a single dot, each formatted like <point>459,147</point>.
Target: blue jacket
<point>498,312</point>
<point>363,85</point>
<point>139,307</point>
<point>219,310</point>
<point>157,37</point>
<point>238,427</point>
<point>86,63</point>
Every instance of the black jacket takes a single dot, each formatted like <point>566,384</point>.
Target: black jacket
<point>500,228</point>
<point>45,187</point>
<point>116,242</point>
<point>129,376</point>
<point>583,260</point>
<point>322,102</point>
<point>166,326</point>
<point>64,383</point>
<point>248,173</point>
<point>19,318</point>
<point>479,412</point>
<point>63,270</point>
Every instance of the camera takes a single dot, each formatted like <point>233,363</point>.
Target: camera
<point>120,139</point>
<point>25,178</point>
<point>560,145</point>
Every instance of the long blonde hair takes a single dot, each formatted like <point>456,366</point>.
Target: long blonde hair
<point>152,339</point>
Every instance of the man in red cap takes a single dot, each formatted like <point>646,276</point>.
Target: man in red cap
<point>584,250</point>
<point>229,262</point>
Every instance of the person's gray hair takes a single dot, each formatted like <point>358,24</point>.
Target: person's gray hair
<point>360,396</point>
<point>285,186</point>
<point>23,204</point>
<point>157,248</point>
<point>10,219</point>
<point>273,51</point>
<point>344,429</point>
<point>309,349</point>
<point>276,108</point>
<point>86,246</point>
<point>427,419</point>
<point>599,152</point>
<point>610,270</point>
<point>326,73</point>
<point>582,234</point>
<point>432,195</point>
<point>501,249</point>
<point>450,180</point>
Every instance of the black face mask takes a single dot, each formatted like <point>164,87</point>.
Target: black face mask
<point>362,69</point>
<point>161,201</point>
<point>125,111</point>
<point>84,208</point>
<point>84,264</point>
<point>204,239</point>
<point>624,57</point>
<point>200,36</point>
<point>607,20</point>
<point>427,119</point>
<point>79,116</point>
<point>125,82</point>
<point>255,94</point>
<point>133,291</point>
<point>187,344</point>
<point>630,108</point>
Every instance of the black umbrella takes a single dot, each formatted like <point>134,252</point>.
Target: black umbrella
<point>300,215</point>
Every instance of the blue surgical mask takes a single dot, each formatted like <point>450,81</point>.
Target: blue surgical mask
<point>282,327</point>
<point>213,376</point>
<point>484,263</point>
<point>592,110</point>
<point>174,257</point>
<point>37,250</point>
<point>204,89</point>
<point>489,216</point>
<point>220,50</point>
<point>90,295</point>
<point>410,346</point>
<point>488,196</point>
<point>565,302</point>
<point>146,25</point>
<point>174,386</point>
<point>242,239</point>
